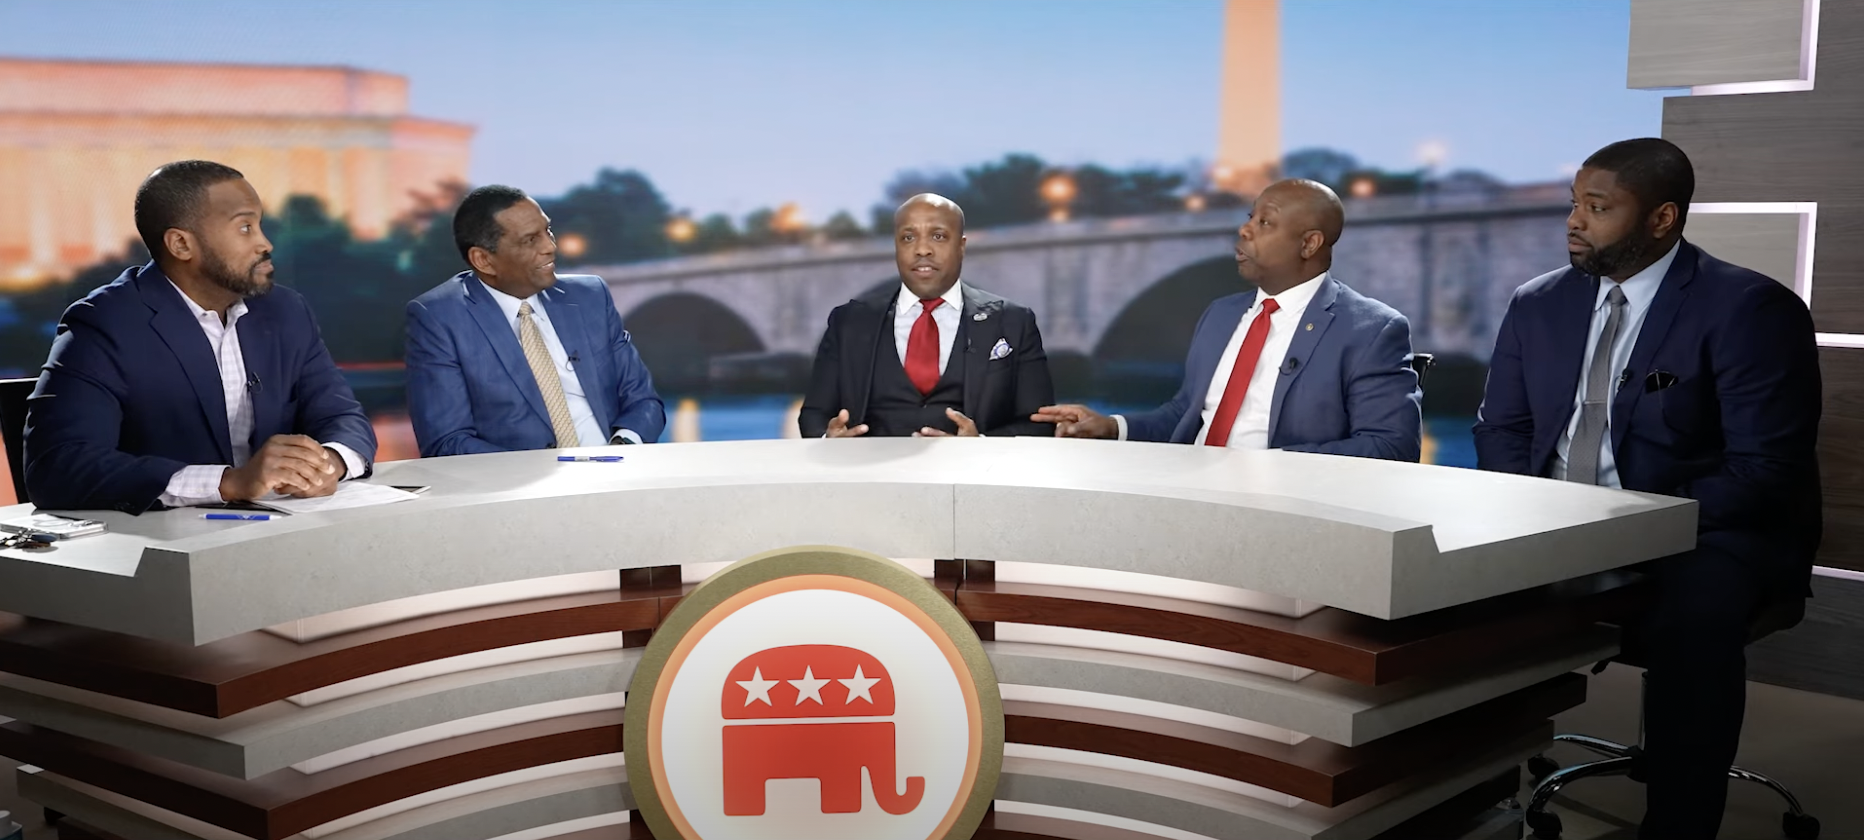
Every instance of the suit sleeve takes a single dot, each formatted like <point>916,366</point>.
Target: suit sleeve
<point>73,423</point>
<point>1158,424</point>
<point>438,401</point>
<point>640,408</point>
<point>1035,387</point>
<point>823,400</point>
<point>1766,368</point>
<point>1383,404</point>
<point>327,408</point>
<point>1504,431</point>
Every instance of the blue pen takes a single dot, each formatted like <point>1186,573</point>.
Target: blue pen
<point>239,517</point>
<point>606,459</point>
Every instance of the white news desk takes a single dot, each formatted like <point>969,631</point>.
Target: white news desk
<point>514,594</point>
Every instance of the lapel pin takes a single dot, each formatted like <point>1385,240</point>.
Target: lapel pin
<point>1310,326</point>
<point>980,316</point>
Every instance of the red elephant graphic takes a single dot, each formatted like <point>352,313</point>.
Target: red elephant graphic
<point>781,689</point>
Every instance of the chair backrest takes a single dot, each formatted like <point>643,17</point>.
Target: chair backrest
<point>1421,363</point>
<point>13,394</point>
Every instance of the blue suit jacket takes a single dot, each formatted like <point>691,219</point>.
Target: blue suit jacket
<point>131,393</point>
<point>1346,386</point>
<point>471,390</point>
<point>1720,402</point>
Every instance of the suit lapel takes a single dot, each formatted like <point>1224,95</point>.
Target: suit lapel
<point>1314,322</point>
<point>1209,350</point>
<point>258,345</point>
<point>174,322</point>
<point>567,319</point>
<point>1671,294</point>
<point>975,339</point>
<point>865,349</point>
<point>1571,332</point>
<point>504,342</point>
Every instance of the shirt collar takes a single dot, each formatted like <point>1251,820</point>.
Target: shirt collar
<point>954,296</point>
<point>1295,299</point>
<point>233,312</point>
<point>510,304</point>
<point>1640,288</point>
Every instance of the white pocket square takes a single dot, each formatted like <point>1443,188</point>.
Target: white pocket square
<point>1000,350</point>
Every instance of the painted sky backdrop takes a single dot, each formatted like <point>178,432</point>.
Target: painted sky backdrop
<point>731,105</point>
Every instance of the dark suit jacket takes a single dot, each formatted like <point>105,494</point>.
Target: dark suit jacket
<point>999,394</point>
<point>131,393</point>
<point>1737,432</point>
<point>471,390</point>
<point>1346,385</point>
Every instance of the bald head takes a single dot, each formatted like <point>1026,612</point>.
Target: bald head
<point>928,244</point>
<point>932,201</point>
<point>1289,237</point>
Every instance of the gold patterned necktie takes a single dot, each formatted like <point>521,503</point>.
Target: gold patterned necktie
<point>545,371</point>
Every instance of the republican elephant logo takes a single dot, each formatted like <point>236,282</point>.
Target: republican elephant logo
<point>812,712</point>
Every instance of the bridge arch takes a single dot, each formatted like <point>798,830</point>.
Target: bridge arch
<point>680,334</point>
<point>1141,354</point>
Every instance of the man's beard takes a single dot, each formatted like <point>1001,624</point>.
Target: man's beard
<point>222,273</point>
<point>1616,258</point>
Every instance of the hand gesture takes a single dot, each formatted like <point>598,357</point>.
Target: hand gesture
<point>966,426</point>
<point>292,464</point>
<point>1077,421</point>
<point>838,427</point>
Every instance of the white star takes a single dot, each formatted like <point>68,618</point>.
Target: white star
<point>757,688</point>
<point>860,686</point>
<point>808,687</point>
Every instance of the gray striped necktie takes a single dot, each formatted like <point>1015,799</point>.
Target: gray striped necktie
<point>545,371</point>
<point>1582,457</point>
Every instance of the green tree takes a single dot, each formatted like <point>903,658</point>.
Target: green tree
<point>843,226</point>
<point>620,215</point>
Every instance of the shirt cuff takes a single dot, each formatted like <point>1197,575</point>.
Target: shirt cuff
<point>624,433</point>
<point>353,463</point>
<point>196,485</point>
<point>1121,420</point>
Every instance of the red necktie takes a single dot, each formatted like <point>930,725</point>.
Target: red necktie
<point>1240,375</point>
<point>922,349</point>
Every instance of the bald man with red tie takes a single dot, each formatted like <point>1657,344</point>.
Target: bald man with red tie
<point>933,356</point>
<point>1303,363</point>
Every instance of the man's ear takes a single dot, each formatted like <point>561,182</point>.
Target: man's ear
<point>180,245</point>
<point>1663,220</point>
<point>1311,243</point>
<point>481,261</point>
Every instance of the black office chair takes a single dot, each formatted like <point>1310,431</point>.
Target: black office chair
<point>1421,363</point>
<point>13,394</point>
<point>1622,760</point>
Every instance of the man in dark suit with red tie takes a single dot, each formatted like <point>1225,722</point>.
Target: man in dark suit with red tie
<point>1302,363</point>
<point>1650,365</point>
<point>933,356</point>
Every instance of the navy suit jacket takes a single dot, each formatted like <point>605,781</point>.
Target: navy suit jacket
<point>131,393</point>
<point>471,390</point>
<point>1720,402</point>
<point>1346,386</point>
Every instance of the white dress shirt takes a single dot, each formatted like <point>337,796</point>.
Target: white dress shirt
<point>1251,429</point>
<point>945,315</point>
<point>1640,289</point>
<point>200,484</point>
<point>589,432</point>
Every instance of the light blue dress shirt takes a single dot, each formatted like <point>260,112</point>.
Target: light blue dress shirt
<point>1640,289</point>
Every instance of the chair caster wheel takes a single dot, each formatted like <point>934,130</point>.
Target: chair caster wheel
<point>1544,825</point>
<point>1540,767</point>
<point>1799,826</point>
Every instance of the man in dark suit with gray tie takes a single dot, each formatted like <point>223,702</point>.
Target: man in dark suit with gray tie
<point>1650,365</point>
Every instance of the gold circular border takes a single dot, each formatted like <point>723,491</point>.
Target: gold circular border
<point>808,560</point>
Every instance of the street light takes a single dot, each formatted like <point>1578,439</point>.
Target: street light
<point>681,230</point>
<point>1059,191</point>
<point>1194,203</point>
<point>572,245</point>
<point>1364,187</point>
<point>789,219</point>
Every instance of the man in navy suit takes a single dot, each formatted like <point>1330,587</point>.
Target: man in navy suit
<point>192,380</point>
<point>510,355</point>
<point>1304,363</point>
<point>1650,365</point>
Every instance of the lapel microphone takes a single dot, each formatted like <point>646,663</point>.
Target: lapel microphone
<point>1290,365</point>
<point>252,382</point>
